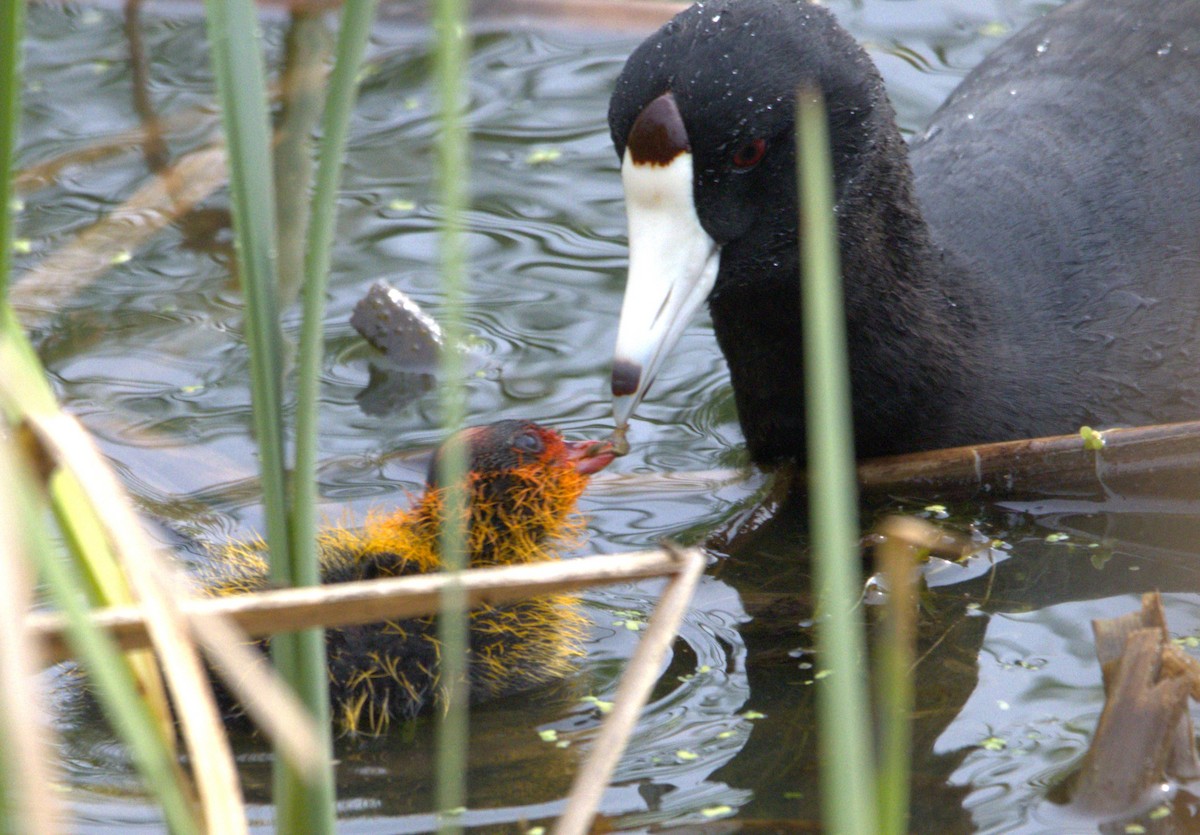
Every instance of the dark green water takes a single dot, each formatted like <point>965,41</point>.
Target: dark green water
<point>149,356</point>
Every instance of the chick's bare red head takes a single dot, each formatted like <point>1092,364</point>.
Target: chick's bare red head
<point>506,446</point>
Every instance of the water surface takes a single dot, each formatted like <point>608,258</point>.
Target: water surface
<point>150,356</point>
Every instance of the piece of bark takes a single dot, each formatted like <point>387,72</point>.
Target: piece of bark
<point>1110,634</point>
<point>1145,734</point>
<point>407,337</point>
<point>1136,734</point>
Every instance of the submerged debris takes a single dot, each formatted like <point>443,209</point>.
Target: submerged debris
<point>408,338</point>
<point>409,342</point>
<point>1144,735</point>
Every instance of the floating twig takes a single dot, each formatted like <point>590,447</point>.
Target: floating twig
<point>632,693</point>
<point>342,604</point>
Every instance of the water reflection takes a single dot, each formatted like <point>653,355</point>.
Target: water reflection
<point>1030,717</point>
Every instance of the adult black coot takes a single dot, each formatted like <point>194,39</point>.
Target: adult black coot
<point>1028,265</point>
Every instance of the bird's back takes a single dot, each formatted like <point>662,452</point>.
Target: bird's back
<point>1064,175</point>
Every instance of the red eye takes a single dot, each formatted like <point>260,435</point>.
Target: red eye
<point>750,154</point>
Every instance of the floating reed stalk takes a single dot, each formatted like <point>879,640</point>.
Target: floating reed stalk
<point>632,693</point>
<point>353,31</point>
<point>368,601</point>
<point>1146,460</point>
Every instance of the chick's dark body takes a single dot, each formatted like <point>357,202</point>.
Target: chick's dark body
<point>522,485</point>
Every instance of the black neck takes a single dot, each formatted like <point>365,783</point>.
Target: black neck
<point>902,350</point>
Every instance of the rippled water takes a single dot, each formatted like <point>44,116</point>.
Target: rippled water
<point>149,355</point>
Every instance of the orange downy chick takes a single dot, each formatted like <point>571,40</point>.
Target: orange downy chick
<point>523,483</point>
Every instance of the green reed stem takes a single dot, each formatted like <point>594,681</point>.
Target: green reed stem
<point>843,709</point>
<point>111,679</point>
<point>237,65</point>
<point>353,33</point>
<point>12,23</point>
<point>894,683</point>
<point>300,807</point>
<point>139,721</point>
<point>302,95</point>
<point>450,59</point>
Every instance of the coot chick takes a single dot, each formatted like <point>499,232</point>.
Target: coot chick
<point>523,483</point>
<point>1030,264</point>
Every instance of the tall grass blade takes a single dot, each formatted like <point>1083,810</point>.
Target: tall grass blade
<point>301,807</point>
<point>103,579</point>
<point>353,33</point>
<point>24,394</point>
<point>108,673</point>
<point>104,582</point>
<point>352,41</point>
<point>895,654</point>
<point>118,693</point>
<point>237,65</point>
<point>843,710</point>
<point>452,167</point>
<point>28,800</point>
<point>12,20</point>
<point>62,439</point>
<point>302,92</point>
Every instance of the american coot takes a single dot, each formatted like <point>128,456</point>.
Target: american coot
<point>523,484</point>
<point>1034,269</point>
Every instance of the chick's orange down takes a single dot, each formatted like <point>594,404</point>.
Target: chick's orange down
<point>522,486</point>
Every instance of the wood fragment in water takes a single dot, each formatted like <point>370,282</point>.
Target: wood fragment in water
<point>408,338</point>
<point>367,601</point>
<point>1144,735</point>
<point>1148,460</point>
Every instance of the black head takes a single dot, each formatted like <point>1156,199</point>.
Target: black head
<point>703,118</point>
<point>734,68</point>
